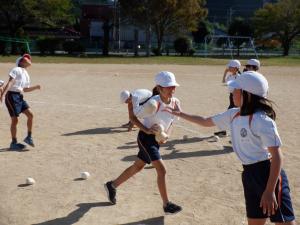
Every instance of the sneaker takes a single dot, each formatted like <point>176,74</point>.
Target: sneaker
<point>111,192</point>
<point>172,208</point>
<point>16,146</point>
<point>221,133</point>
<point>28,140</point>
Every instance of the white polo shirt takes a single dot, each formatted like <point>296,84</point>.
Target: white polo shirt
<point>249,142</point>
<point>21,79</point>
<point>231,77</point>
<point>161,117</point>
<point>139,96</point>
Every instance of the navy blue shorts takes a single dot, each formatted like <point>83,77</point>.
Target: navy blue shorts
<point>148,147</point>
<point>255,178</point>
<point>15,103</point>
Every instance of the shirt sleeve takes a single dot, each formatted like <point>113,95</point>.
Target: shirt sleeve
<point>265,128</point>
<point>223,120</point>
<point>14,73</point>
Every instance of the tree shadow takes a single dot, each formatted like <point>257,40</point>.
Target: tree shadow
<point>175,154</point>
<point>101,130</point>
<point>153,221</point>
<point>170,145</point>
<point>75,216</point>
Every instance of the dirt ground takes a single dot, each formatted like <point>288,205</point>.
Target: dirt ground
<point>77,118</point>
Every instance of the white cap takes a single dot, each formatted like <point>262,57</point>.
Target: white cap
<point>234,63</point>
<point>18,60</point>
<point>124,95</point>
<point>252,82</point>
<point>165,79</point>
<point>253,62</point>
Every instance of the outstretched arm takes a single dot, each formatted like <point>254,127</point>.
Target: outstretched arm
<point>206,122</point>
<point>32,88</point>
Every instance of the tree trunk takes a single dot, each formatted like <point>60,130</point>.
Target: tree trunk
<point>148,40</point>
<point>286,47</point>
<point>136,42</point>
<point>105,28</point>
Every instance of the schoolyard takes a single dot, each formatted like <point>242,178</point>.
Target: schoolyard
<point>77,119</point>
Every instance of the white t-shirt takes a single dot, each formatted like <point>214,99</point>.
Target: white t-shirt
<point>250,143</point>
<point>21,79</point>
<point>231,77</point>
<point>139,96</point>
<point>161,117</point>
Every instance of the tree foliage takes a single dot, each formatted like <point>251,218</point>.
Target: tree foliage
<point>281,21</point>
<point>16,14</point>
<point>164,16</point>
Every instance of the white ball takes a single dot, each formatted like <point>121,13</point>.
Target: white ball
<point>139,46</point>
<point>30,181</point>
<point>216,138</point>
<point>85,175</point>
<point>185,137</point>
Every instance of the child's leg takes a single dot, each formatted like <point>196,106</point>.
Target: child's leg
<point>13,128</point>
<point>161,180</point>
<point>256,221</point>
<point>29,115</point>
<point>129,172</point>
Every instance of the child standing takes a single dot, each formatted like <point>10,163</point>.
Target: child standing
<point>148,146</point>
<point>19,82</point>
<point>252,65</point>
<point>256,142</point>
<point>231,72</point>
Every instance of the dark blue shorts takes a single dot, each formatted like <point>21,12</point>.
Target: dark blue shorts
<point>148,147</point>
<point>255,178</point>
<point>15,103</point>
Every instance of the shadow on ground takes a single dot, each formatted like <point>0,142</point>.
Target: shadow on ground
<point>177,154</point>
<point>152,221</point>
<point>100,130</point>
<point>74,216</point>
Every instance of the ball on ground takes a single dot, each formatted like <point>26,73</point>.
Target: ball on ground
<point>30,181</point>
<point>85,175</point>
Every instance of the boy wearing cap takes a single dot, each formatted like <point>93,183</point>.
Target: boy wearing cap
<point>252,65</point>
<point>148,146</point>
<point>256,142</point>
<point>135,100</point>
<point>19,82</point>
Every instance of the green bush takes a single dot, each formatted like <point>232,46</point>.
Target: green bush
<point>183,45</point>
<point>48,45</point>
<point>72,47</point>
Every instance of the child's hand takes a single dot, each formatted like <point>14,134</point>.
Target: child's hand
<point>176,111</point>
<point>268,203</point>
<point>38,87</point>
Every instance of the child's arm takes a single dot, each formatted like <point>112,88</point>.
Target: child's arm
<point>6,88</point>
<point>268,200</point>
<point>206,122</point>
<point>32,88</point>
<point>225,74</point>
<point>136,121</point>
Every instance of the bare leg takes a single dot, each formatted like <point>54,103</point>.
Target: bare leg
<point>13,127</point>
<point>29,115</point>
<point>129,172</point>
<point>161,180</point>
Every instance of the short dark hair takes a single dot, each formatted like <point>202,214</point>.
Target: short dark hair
<point>254,103</point>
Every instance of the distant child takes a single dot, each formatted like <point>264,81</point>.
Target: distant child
<point>256,142</point>
<point>231,72</point>
<point>148,146</point>
<point>19,82</point>
<point>135,100</point>
<point>252,65</point>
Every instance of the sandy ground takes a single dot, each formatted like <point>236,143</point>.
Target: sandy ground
<point>77,128</point>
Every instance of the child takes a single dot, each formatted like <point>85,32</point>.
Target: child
<point>135,100</point>
<point>252,65</point>
<point>257,144</point>
<point>19,82</point>
<point>231,73</point>
<point>148,146</point>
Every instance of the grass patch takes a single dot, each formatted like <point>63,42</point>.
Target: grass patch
<point>177,60</point>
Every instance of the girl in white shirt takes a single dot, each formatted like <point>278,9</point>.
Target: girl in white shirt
<point>256,142</point>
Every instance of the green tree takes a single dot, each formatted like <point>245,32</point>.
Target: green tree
<point>165,16</point>
<point>15,15</point>
<point>281,20</point>
<point>240,27</point>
